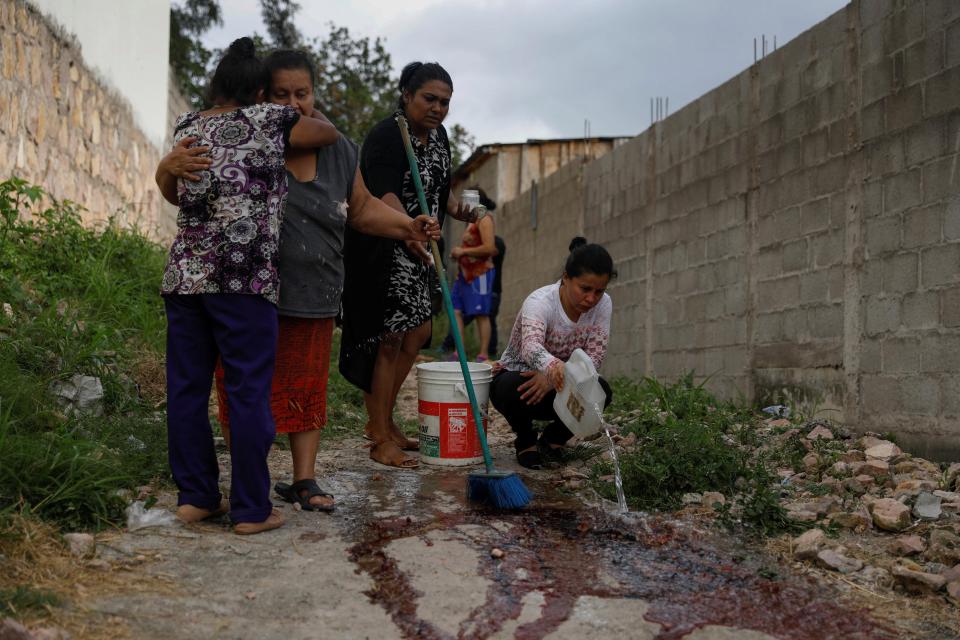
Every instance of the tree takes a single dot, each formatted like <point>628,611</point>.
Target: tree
<point>189,59</point>
<point>462,144</point>
<point>354,84</point>
<point>278,19</point>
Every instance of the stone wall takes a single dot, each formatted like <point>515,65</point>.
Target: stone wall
<point>794,233</point>
<point>61,128</point>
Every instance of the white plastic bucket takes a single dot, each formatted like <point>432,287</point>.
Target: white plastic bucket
<point>448,435</point>
<point>580,402</point>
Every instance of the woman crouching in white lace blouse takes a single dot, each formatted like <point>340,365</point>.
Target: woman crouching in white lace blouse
<point>573,313</point>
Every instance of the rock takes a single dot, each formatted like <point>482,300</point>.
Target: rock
<point>81,545</point>
<point>497,553</point>
<point>99,564</point>
<point>882,451</point>
<point>628,440</point>
<point>853,455</point>
<point>918,581</point>
<point>779,423</point>
<point>572,474</point>
<point>811,462</point>
<point>855,520</point>
<point>948,496</point>
<point>953,590</point>
<point>835,560</point>
<point>691,498</point>
<point>251,595</point>
<point>913,487</point>
<point>50,633</point>
<point>890,515</point>
<point>713,499</point>
<point>10,629</point>
<point>808,544</point>
<point>802,516</point>
<point>953,477</point>
<point>831,485</point>
<point>840,469</point>
<point>907,546</point>
<point>952,574</point>
<point>872,468</point>
<point>869,440</point>
<point>874,576</point>
<point>820,433</point>
<point>8,310</point>
<point>80,394</point>
<point>927,506</point>
<point>853,485</point>
<point>944,547</point>
<point>906,466</point>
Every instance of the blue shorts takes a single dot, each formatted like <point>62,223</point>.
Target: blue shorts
<point>474,298</point>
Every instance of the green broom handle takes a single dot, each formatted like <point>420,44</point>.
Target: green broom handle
<point>447,302</point>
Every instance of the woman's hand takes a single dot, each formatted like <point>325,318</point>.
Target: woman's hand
<point>555,375</point>
<point>183,160</point>
<point>456,252</point>
<point>465,213</point>
<point>418,249</point>
<point>535,388</point>
<point>424,228</point>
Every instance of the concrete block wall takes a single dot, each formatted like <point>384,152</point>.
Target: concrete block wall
<point>793,234</point>
<point>61,128</point>
<point>910,343</point>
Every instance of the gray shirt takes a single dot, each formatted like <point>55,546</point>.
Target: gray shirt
<point>311,236</point>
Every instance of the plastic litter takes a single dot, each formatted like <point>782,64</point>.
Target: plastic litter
<point>778,410</point>
<point>140,518</point>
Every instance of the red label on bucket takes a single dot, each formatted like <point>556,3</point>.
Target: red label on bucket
<point>458,434</point>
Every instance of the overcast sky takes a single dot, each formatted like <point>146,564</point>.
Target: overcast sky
<point>538,68</point>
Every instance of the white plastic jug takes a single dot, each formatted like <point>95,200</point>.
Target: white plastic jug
<point>580,402</point>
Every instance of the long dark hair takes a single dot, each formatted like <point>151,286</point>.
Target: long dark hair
<point>588,258</point>
<point>240,75</point>
<point>415,74</point>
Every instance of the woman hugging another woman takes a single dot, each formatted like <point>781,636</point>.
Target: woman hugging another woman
<point>221,285</point>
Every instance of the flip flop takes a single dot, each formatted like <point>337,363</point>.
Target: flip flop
<point>403,462</point>
<point>412,444</point>
<point>291,493</point>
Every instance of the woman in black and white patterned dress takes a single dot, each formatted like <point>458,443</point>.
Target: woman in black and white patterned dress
<point>387,291</point>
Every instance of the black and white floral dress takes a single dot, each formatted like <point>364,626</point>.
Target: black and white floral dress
<point>388,290</point>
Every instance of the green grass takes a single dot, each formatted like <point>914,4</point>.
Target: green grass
<point>687,441</point>
<point>21,600</point>
<point>80,302</point>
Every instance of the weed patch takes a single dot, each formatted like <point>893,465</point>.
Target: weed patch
<point>76,301</point>
<point>684,440</point>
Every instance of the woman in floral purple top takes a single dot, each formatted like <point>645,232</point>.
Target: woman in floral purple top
<point>220,287</point>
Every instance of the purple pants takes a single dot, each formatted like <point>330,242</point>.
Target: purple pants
<point>242,330</point>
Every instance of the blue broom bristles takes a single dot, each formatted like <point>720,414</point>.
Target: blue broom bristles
<point>499,490</point>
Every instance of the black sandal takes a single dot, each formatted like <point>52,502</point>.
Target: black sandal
<point>291,493</point>
<point>530,459</point>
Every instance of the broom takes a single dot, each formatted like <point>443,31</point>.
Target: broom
<point>500,489</point>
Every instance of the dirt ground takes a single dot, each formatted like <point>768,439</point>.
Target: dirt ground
<point>405,556</point>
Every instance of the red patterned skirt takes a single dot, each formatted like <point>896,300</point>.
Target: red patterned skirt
<point>298,397</point>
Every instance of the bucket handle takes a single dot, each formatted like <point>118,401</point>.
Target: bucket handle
<point>462,390</point>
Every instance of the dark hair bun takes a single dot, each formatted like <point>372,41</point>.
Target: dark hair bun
<point>242,48</point>
<point>576,243</point>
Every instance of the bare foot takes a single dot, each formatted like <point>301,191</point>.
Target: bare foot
<point>388,453</point>
<point>273,521</point>
<point>188,514</point>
